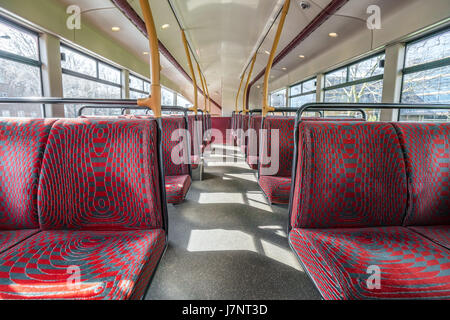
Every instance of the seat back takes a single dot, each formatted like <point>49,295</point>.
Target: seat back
<point>173,136</point>
<point>427,153</point>
<point>22,146</point>
<point>101,175</point>
<point>195,131</point>
<point>253,137</point>
<point>285,127</point>
<point>349,174</point>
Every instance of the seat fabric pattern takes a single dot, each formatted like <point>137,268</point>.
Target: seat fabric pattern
<point>111,265</point>
<point>244,137</point>
<point>427,152</point>
<point>110,174</point>
<point>340,261</point>
<point>22,145</point>
<point>438,234</point>
<point>285,127</point>
<point>173,128</point>
<point>253,141</point>
<point>177,188</point>
<point>277,189</point>
<point>344,170</point>
<point>9,238</point>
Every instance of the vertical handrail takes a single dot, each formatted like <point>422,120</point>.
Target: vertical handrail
<point>191,68</point>
<point>238,93</point>
<point>266,107</point>
<point>154,99</point>
<point>244,104</point>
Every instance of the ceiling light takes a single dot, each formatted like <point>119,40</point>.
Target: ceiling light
<point>259,87</point>
<point>301,56</point>
<point>284,69</point>
<point>145,53</point>
<point>333,34</point>
<point>115,29</point>
<point>267,52</point>
<point>165,26</point>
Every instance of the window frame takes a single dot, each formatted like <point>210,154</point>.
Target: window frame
<point>286,94</point>
<point>24,60</point>
<point>91,78</point>
<point>143,84</point>
<point>349,83</point>
<point>424,66</point>
<point>301,83</point>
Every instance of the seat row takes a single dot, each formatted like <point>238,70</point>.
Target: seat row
<point>370,209</point>
<point>82,208</point>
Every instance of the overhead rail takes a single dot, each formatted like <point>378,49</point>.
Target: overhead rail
<point>329,11</point>
<point>244,98</point>
<point>191,68</point>
<point>186,43</point>
<point>266,108</point>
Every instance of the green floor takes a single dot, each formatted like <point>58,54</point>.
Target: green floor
<point>226,242</point>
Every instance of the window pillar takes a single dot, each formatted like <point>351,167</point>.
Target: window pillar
<point>51,74</point>
<point>392,81</point>
<point>319,87</point>
<point>125,84</point>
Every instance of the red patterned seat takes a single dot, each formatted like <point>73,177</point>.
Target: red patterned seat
<point>427,153</point>
<point>195,130</point>
<point>276,185</point>
<point>177,188</point>
<point>105,224</point>
<point>341,262</point>
<point>252,151</point>
<point>277,189</point>
<point>178,180</point>
<point>347,213</point>
<point>22,145</point>
<point>244,136</point>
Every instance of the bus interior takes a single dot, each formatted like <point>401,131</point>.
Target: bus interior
<point>239,150</point>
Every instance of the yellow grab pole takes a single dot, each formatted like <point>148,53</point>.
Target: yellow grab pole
<point>154,99</point>
<point>266,108</point>
<point>244,105</point>
<point>203,85</point>
<point>237,97</point>
<point>191,67</point>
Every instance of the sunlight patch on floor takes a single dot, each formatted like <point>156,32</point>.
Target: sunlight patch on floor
<point>212,198</point>
<point>259,201</point>
<point>220,240</point>
<point>280,254</point>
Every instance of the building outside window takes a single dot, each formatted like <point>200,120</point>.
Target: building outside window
<point>360,82</point>
<point>20,69</point>
<point>87,77</point>
<point>278,98</point>
<point>426,77</point>
<point>302,93</point>
<point>183,102</point>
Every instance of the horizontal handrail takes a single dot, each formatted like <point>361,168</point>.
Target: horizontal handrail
<point>124,108</point>
<point>359,106</point>
<point>43,100</point>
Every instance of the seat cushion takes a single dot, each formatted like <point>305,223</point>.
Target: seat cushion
<point>110,173</point>
<point>22,145</point>
<point>341,262</point>
<point>177,188</point>
<point>110,265</point>
<point>10,238</point>
<point>438,234</point>
<point>427,153</point>
<point>277,189</point>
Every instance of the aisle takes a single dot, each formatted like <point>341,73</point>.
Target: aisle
<point>226,242</point>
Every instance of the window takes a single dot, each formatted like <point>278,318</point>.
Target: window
<point>183,102</point>
<point>139,88</point>
<point>426,77</point>
<point>302,93</point>
<point>87,77</point>
<point>278,98</point>
<point>360,82</point>
<point>167,97</point>
<point>20,69</point>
